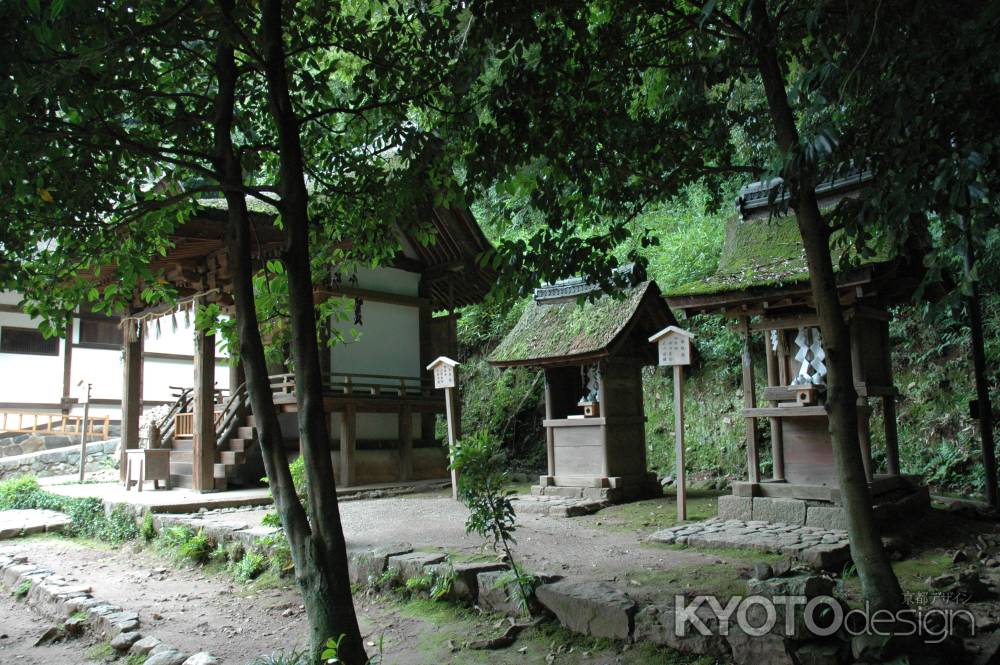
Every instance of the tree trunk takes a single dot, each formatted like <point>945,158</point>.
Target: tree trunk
<point>313,573</point>
<point>879,584</point>
<point>332,612</point>
<point>983,401</point>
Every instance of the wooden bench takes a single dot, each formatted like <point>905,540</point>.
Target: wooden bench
<point>142,465</point>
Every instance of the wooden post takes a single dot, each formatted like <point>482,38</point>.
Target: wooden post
<point>865,439</point>
<point>203,455</point>
<point>131,396</point>
<point>984,405</point>
<point>406,443</point>
<point>889,409</point>
<point>777,435</point>
<point>750,402</point>
<point>679,442</point>
<point>550,436</point>
<point>348,443</point>
<point>453,436</point>
<point>83,435</point>
<point>67,365</point>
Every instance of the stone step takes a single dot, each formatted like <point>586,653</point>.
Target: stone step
<point>245,432</point>
<point>183,444</point>
<point>230,457</point>
<point>180,468</point>
<point>238,445</point>
<point>185,481</point>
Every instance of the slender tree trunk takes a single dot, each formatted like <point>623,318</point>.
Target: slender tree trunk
<point>985,405</point>
<point>880,586</point>
<point>312,571</point>
<point>333,612</point>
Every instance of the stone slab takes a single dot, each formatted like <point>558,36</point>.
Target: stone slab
<point>824,549</point>
<point>412,564</point>
<point>826,517</point>
<point>16,523</point>
<point>735,507</point>
<point>590,608</point>
<point>781,511</point>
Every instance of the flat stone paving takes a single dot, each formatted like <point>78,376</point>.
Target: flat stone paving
<point>14,523</point>
<point>557,506</point>
<point>828,549</point>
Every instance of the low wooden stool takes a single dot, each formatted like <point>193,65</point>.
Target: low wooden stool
<point>142,465</point>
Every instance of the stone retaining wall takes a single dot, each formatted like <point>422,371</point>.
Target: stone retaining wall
<point>12,443</point>
<point>59,461</point>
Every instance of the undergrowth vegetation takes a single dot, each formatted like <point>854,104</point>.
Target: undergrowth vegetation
<point>89,518</point>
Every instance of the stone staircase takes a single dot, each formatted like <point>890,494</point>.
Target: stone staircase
<point>230,455</point>
<point>237,454</point>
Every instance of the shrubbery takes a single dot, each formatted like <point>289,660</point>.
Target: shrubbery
<point>89,518</point>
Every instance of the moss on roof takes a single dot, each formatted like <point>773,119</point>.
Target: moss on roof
<point>563,329</point>
<point>765,251</point>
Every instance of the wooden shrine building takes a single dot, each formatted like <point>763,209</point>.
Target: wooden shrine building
<point>379,397</point>
<point>592,355</point>
<point>762,282</point>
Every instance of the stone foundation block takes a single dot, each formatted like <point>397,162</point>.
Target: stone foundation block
<point>824,517</point>
<point>590,608</point>
<point>412,564</point>
<point>366,566</point>
<point>466,584</point>
<point>785,511</point>
<point>735,508</point>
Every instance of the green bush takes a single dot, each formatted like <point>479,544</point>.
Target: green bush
<point>89,518</point>
<point>147,530</point>
<point>250,566</point>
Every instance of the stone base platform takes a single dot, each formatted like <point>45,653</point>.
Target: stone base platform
<point>825,549</point>
<point>557,506</point>
<point>904,503</point>
<point>615,490</point>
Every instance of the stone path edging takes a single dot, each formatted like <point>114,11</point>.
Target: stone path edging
<point>57,598</point>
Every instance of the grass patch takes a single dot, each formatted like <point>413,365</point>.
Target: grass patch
<point>654,514</point>
<point>22,589</point>
<point>136,658</point>
<point>911,573</point>
<point>100,651</point>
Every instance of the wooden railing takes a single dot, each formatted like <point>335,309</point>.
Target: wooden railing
<point>27,422</point>
<point>183,425</point>
<point>362,385</point>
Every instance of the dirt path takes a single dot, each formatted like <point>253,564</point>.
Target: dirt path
<point>569,547</point>
<point>197,609</point>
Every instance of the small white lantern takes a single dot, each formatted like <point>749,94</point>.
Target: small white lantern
<point>673,345</point>
<point>444,372</point>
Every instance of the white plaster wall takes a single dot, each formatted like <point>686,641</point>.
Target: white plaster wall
<point>28,379</point>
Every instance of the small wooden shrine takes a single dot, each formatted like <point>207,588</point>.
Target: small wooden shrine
<point>592,355</point>
<point>763,283</point>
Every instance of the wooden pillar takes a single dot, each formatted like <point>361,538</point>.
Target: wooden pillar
<point>750,402</point>
<point>679,467</point>
<point>777,435</point>
<point>602,400</point>
<point>426,349</point>
<point>550,436</point>
<point>406,443</point>
<point>864,438</point>
<point>131,395</point>
<point>889,409</point>
<point>348,444</point>
<point>203,455</point>
<point>67,366</point>
<point>237,377</point>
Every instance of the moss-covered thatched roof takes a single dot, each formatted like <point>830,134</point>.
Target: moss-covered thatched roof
<point>760,252</point>
<point>562,330</point>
